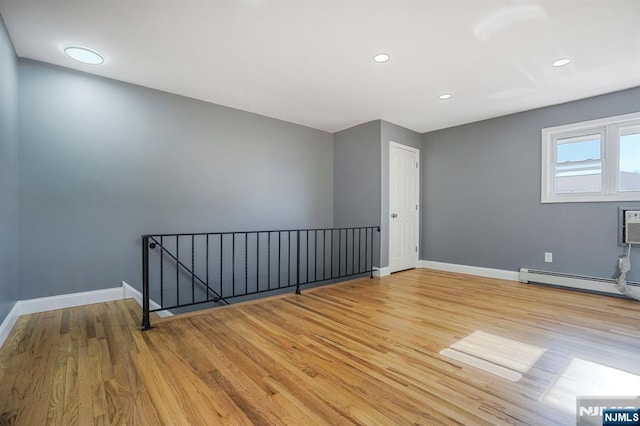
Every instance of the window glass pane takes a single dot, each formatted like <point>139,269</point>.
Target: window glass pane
<point>630,160</point>
<point>578,165</point>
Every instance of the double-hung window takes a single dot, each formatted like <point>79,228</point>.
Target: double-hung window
<point>597,160</point>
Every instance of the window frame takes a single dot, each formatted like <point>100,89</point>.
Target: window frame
<point>608,128</point>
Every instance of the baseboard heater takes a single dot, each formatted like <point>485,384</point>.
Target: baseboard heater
<point>576,282</point>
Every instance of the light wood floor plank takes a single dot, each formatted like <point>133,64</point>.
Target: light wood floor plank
<point>360,352</point>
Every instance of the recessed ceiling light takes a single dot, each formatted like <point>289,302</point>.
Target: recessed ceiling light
<point>561,62</point>
<point>445,96</point>
<point>381,58</point>
<point>84,55</point>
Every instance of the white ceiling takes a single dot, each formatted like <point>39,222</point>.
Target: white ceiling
<point>310,61</point>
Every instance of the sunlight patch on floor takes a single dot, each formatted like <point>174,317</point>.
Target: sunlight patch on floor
<point>487,366</point>
<point>504,357</point>
<point>586,378</point>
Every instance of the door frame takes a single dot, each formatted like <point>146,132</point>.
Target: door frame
<point>417,195</point>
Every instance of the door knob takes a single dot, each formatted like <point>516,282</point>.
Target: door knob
<point>393,215</point>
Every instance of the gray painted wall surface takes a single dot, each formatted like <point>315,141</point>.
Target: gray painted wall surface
<point>481,196</point>
<point>103,162</point>
<point>391,133</point>
<point>9,218</point>
<point>356,184</point>
<point>361,176</point>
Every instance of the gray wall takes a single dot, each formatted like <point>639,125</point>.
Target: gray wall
<point>481,196</point>
<point>361,176</point>
<point>391,133</point>
<point>103,162</point>
<point>356,185</point>
<point>8,174</point>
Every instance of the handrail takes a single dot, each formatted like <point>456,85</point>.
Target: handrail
<point>259,232</point>
<point>248,262</point>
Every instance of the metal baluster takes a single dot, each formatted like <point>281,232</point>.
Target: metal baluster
<point>315,255</point>
<point>359,252</point>
<point>269,260</point>
<point>353,251</point>
<point>193,270</point>
<point>339,253</point>
<point>207,256</point>
<point>324,253</point>
<point>307,263</point>
<point>289,261</point>
<point>177,270</point>
<point>161,274</point>
<point>372,247</point>
<point>257,260</point>
<point>146,323</point>
<point>298,264</point>
<point>331,252</point>
<point>246,263</point>
<point>366,246</point>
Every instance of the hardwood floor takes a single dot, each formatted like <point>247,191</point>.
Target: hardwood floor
<point>363,352</point>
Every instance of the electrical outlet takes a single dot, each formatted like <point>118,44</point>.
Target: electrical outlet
<point>548,257</point>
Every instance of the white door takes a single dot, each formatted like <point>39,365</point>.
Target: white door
<point>404,181</point>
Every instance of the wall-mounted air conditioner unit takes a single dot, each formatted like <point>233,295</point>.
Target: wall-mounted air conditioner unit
<point>632,227</point>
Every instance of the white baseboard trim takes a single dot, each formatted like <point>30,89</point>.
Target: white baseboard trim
<point>43,304</point>
<point>9,322</point>
<point>381,272</point>
<point>129,292</point>
<point>70,300</point>
<point>471,270</point>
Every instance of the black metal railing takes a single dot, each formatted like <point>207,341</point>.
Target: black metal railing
<point>181,270</point>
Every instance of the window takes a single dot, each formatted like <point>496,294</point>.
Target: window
<point>596,160</point>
